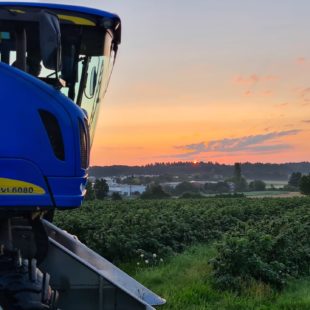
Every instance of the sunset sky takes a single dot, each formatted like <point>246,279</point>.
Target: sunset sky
<point>207,80</point>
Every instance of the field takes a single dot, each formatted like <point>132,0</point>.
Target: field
<point>186,282</point>
<point>212,253</point>
<point>274,194</point>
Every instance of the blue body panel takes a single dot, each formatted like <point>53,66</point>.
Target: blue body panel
<point>26,146</point>
<point>28,172</point>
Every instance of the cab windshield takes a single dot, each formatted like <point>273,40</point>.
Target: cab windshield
<point>86,53</point>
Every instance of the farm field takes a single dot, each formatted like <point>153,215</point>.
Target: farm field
<point>272,194</point>
<point>212,253</point>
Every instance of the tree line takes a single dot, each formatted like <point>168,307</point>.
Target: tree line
<point>204,170</point>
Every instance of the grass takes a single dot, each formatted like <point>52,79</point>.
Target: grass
<point>185,282</point>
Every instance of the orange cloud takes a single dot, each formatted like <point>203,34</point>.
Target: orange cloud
<point>304,95</point>
<point>281,105</point>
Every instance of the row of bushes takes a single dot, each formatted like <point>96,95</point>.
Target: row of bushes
<point>264,239</point>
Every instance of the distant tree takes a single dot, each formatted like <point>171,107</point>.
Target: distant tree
<point>90,193</point>
<point>185,187</point>
<point>295,179</point>
<point>101,189</point>
<point>168,189</point>
<point>136,193</point>
<point>209,187</point>
<point>240,182</point>
<point>237,171</point>
<point>304,185</point>
<point>257,185</point>
<point>116,196</point>
<point>188,195</point>
<point>154,191</point>
<point>219,187</point>
<point>241,185</point>
<point>222,187</point>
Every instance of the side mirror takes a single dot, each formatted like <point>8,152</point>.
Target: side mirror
<point>50,41</point>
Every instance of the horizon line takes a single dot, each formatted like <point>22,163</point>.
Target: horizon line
<point>197,163</point>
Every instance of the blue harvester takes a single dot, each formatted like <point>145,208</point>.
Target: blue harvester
<point>56,62</point>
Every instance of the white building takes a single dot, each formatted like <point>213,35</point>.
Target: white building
<point>126,189</point>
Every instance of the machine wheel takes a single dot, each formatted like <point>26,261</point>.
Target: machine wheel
<point>23,286</point>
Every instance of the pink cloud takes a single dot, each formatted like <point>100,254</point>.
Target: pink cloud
<point>301,60</point>
<point>248,93</point>
<point>250,80</point>
<point>253,79</point>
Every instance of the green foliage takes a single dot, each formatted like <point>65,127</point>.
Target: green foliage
<point>154,191</point>
<point>219,187</point>
<point>116,196</point>
<point>90,193</point>
<point>185,187</point>
<point>257,185</point>
<point>185,282</point>
<point>234,195</point>
<point>271,251</point>
<point>259,240</point>
<point>190,195</point>
<point>101,189</point>
<point>239,181</point>
<point>304,184</point>
<point>118,229</point>
<point>241,185</point>
<point>295,179</point>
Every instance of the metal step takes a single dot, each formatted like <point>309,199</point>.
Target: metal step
<point>85,280</point>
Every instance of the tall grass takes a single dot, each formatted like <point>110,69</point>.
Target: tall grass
<point>185,282</point>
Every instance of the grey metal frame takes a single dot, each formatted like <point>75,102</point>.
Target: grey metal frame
<point>87,281</point>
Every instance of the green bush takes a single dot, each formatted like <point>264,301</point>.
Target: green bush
<point>270,251</point>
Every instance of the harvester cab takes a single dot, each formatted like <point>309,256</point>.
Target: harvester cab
<point>56,62</point>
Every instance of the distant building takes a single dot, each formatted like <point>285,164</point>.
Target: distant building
<point>232,186</point>
<point>123,189</point>
<point>126,189</point>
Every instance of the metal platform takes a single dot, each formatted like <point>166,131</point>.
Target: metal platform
<point>85,280</point>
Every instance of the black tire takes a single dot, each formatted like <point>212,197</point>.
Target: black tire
<point>23,286</point>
